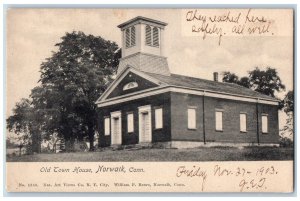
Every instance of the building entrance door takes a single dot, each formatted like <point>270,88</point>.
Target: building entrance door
<point>116,129</point>
<point>145,130</point>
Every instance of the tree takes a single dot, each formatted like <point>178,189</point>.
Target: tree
<point>264,81</point>
<point>288,104</point>
<point>230,77</point>
<point>20,121</point>
<point>24,123</point>
<point>71,81</point>
<point>245,82</point>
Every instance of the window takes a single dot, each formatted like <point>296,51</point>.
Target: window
<point>130,85</point>
<point>243,122</point>
<point>152,36</point>
<point>158,118</point>
<point>130,37</point>
<point>219,121</point>
<point>148,35</point>
<point>191,118</point>
<point>130,123</point>
<point>106,126</point>
<point>264,120</point>
<point>127,35</point>
<point>155,37</point>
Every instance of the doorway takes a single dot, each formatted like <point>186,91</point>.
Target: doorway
<point>145,130</point>
<point>116,128</point>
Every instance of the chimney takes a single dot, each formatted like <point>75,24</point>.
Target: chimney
<point>216,77</point>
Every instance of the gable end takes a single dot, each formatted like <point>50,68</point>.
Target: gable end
<point>131,83</point>
<point>130,80</point>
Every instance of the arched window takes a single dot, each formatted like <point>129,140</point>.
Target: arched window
<point>155,37</point>
<point>148,35</point>
<point>127,36</point>
<point>130,85</point>
<point>132,36</point>
<point>152,36</point>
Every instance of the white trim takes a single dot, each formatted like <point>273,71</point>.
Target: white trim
<point>133,96</point>
<point>223,95</point>
<point>116,114</point>
<point>120,77</point>
<point>186,91</point>
<point>144,53</point>
<point>265,102</point>
<point>145,109</point>
<point>163,89</point>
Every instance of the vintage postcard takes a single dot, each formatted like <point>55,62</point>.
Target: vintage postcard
<point>150,100</point>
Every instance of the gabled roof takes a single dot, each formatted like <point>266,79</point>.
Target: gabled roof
<point>208,85</point>
<point>121,75</point>
<point>192,85</point>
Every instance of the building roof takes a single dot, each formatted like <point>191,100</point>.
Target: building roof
<point>140,18</point>
<point>146,63</point>
<point>213,86</point>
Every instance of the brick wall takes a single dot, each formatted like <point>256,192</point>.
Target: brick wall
<point>175,123</point>
<point>179,120</point>
<point>273,127</point>
<point>158,135</point>
<point>231,120</point>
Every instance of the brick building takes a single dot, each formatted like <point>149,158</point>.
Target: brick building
<point>146,103</point>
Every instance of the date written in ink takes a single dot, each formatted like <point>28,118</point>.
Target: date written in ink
<point>250,179</point>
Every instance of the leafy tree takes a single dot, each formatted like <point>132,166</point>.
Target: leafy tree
<point>263,81</point>
<point>24,122</point>
<point>288,103</point>
<point>266,81</point>
<point>71,81</point>
<point>230,77</point>
<point>245,82</point>
<point>19,122</point>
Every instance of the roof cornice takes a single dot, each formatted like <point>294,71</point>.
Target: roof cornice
<point>142,19</point>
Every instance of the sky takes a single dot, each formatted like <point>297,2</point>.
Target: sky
<point>33,33</point>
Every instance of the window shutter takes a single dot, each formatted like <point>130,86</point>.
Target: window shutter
<point>243,122</point>
<point>130,123</point>
<point>191,118</point>
<point>127,35</point>
<point>264,120</point>
<point>133,36</point>
<point>219,121</point>
<point>155,37</point>
<point>106,126</point>
<point>158,118</point>
<point>148,35</point>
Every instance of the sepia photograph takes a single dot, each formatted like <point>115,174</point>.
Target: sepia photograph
<point>193,88</point>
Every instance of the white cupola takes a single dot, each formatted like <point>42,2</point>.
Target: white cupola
<point>142,45</point>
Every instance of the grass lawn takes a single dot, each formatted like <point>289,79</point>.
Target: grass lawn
<point>195,154</point>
